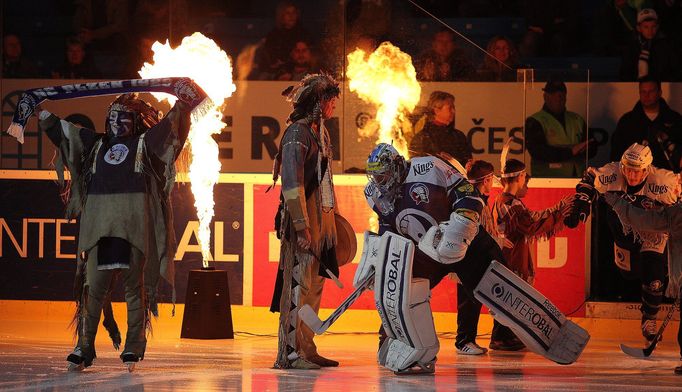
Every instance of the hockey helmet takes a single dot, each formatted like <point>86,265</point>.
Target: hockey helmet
<point>637,156</point>
<point>385,167</point>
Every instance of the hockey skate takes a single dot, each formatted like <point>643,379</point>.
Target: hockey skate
<point>77,361</point>
<point>418,368</point>
<point>130,360</point>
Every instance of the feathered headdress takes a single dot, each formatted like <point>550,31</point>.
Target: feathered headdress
<point>308,95</point>
<point>503,161</point>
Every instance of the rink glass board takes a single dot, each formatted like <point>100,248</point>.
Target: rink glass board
<point>37,259</point>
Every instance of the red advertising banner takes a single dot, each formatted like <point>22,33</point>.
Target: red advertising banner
<point>560,261</point>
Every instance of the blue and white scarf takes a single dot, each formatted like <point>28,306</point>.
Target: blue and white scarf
<point>183,88</point>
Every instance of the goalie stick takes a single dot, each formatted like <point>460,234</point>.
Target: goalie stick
<point>312,320</point>
<point>646,352</point>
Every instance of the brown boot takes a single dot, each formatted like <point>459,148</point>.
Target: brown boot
<point>322,361</point>
<point>300,363</point>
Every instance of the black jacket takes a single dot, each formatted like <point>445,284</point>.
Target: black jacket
<point>635,127</point>
<point>664,60</point>
<point>433,139</point>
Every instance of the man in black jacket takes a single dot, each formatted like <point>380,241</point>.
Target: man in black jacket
<point>650,53</point>
<point>651,122</point>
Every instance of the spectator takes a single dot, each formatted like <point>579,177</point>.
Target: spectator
<point>162,20</point>
<point>141,52</point>
<point>367,43</point>
<point>555,137</point>
<point>443,61</point>
<point>436,133</point>
<point>552,28</point>
<point>15,65</point>
<point>278,43</point>
<point>301,62</point>
<point>78,64</point>
<point>617,23</point>
<point>650,54</point>
<point>651,122</point>
<point>102,28</point>
<point>500,64</point>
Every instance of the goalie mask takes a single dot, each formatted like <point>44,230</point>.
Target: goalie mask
<point>386,169</point>
<point>130,116</point>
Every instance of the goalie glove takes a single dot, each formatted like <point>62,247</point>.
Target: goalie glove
<point>448,242</point>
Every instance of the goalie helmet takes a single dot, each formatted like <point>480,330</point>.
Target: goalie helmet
<point>144,115</point>
<point>637,156</point>
<point>386,168</point>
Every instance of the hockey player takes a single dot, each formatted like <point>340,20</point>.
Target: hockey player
<point>669,220</point>
<point>426,202</point>
<point>637,255</point>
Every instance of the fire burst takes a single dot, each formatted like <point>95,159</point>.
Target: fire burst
<point>201,59</point>
<point>388,80</point>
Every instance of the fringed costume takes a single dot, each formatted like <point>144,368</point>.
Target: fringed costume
<point>307,202</point>
<point>120,190</point>
<point>522,227</point>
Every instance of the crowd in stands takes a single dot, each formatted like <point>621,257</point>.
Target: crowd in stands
<point>284,40</point>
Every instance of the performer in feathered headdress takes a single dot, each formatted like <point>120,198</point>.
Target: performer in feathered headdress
<point>120,191</point>
<point>305,221</point>
<point>520,226</point>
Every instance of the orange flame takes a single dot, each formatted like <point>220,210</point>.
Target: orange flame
<point>201,59</point>
<point>388,80</point>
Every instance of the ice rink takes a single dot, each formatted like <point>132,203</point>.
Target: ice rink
<point>33,352</point>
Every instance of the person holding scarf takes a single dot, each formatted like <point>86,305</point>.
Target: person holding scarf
<point>120,191</point>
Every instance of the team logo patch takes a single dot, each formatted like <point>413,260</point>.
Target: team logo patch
<point>116,154</point>
<point>419,193</point>
<point>466,188</point>
<point>414,223</point>
<point>607,179</point>
<point>422,168</point>
<point>657,189</point>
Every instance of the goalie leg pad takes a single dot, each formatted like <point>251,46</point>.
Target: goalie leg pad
<point>404,307</point>
<point>534,319</point>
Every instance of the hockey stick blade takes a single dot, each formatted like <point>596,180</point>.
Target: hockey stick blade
<point>312,320</point>
<point>646,352</point>
<point>635,352</point>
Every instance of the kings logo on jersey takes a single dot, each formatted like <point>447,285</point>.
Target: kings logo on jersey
<point>422,168</point>
<point>419,193</point>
